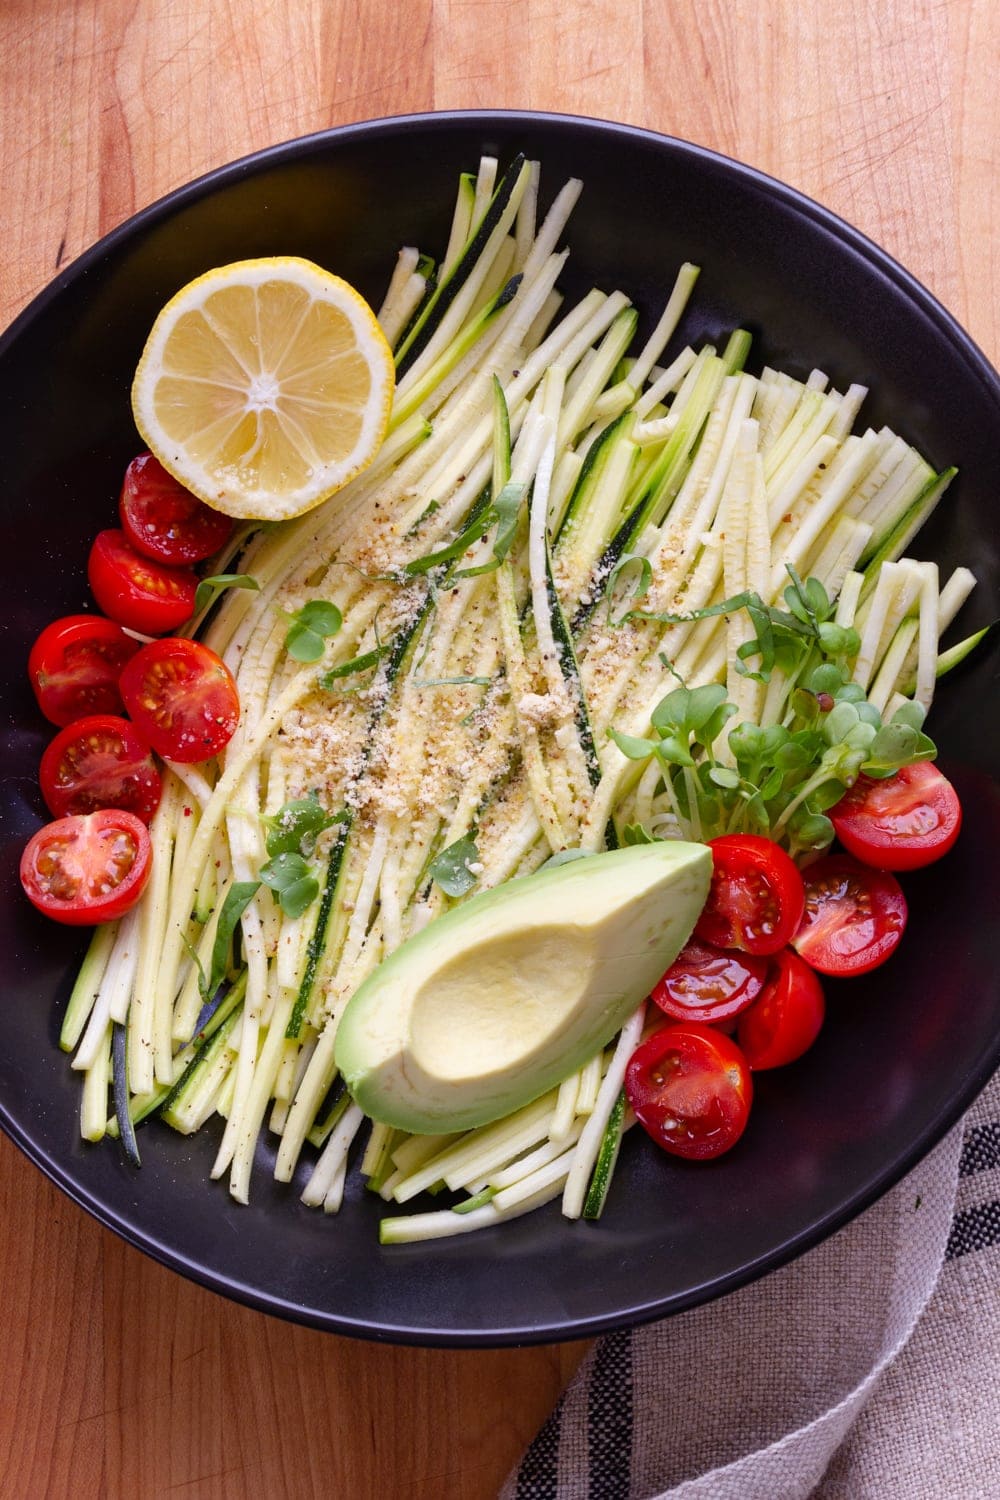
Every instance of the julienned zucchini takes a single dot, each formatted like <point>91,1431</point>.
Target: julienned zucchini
<point>659,489</point>
<point>444,294</point>
<point>144,1106</point>
<point>570,669</point>
<point>119,1073</point>
<point>607,1157</point>
<point>191,1079</point>
<point>317,942</point>
<point>395,662</point>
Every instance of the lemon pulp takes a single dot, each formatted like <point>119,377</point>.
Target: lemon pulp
<point>264,387</point>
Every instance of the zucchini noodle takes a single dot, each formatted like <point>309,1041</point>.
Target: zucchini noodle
<point>468,701</point>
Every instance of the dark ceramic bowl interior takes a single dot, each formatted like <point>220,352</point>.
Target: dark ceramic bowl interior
<point>903,1052</point>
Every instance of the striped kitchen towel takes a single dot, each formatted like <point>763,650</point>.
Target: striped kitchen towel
<point>865,1369</point>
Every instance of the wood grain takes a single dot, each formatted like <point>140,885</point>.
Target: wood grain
<point>120,1379</point>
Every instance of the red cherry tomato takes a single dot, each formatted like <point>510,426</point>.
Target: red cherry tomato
<point>902,823</point>
<point>854,916</point>
<point>755,902</point>
<point>706,984</point>
<point>137,592</point>
<point>786,1020</point>
<point>99,762</point>
<point>164,521</point>
<point>182,697</point>
<point>75,664</point>
<point>85,870</point>
<point>690,1088</point>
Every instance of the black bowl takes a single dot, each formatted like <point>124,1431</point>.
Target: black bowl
<point>903,1053</point>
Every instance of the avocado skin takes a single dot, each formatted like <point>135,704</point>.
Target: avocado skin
<point>501,998</point>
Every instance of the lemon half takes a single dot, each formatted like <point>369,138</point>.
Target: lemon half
<point>264,387</point>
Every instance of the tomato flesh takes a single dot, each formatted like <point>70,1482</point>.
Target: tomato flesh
<point>854,917</point>
<point>756,899</point>
<point>690,1089</point>
<point>709,984</point>
<point>785,1021</point>
<point>137,592</point>
<point>100,761</point>
<point>902,823</point>
<point>75,664</point>
<point>164,521</point>
<point>87,869</point>
<point>182,697</point>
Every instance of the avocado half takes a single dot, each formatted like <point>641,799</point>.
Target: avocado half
<point>500,999</point>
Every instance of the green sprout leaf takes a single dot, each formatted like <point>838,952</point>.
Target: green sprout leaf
<point>209,589</point>
<point>564,857</point>
<point>630,745</point>
<point>634,833</point>
<point>310,628</point>
<point>896,745</point>
<point>450,870</point>
<point>724,776</point>
<point>812,830</point>
<point>912,713</point>
<point>640,587</point>
<point>294,887</point>
<point>296,826</point>
<point>237,900</point>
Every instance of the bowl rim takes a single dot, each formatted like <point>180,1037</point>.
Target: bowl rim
<point>976,1079</point>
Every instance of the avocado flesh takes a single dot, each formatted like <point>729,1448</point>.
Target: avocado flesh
<point>503,997</point>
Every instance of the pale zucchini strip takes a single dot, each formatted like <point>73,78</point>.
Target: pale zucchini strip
<point>586,1149</point>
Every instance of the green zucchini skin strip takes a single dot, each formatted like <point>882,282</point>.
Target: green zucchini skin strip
<point>429,320</point>
<point>607,1158</point>
<point>401,646</point>
<point>223,1019</point>
<point>571,676</point>
<point>119,1070</point>
<point>597,450</point>
<point>205,1055</point>
<point>317,942</point>
<point>152,1105</point>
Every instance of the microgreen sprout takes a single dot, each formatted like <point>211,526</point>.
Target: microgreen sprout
<point>637,562</point>
<point>780,779</point>
<point>450,870</point>
<point>296,826</point>
<point>237,900</point>
<point>291,838</point>
<point>782,636</point>
<point>209,589</point>
<point>294,886</point>
<point>309,628</point>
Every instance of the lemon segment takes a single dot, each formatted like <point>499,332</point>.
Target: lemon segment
<point>264,387</point>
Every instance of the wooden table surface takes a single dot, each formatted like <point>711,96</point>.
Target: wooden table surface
<point>119,1378</point>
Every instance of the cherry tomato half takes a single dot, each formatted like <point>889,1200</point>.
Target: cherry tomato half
<point>101,761</point>
<point>164,521</point>
<point>75,664</point>
<point>787,1018</point>
<point>85,870</point>
<point>854,916</point>
<point>756,899</point>
<point>707,984</point>
<point>690,1088</point>
<point>182,697</point>
<point>135,591</point>
<point>907,821</point>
